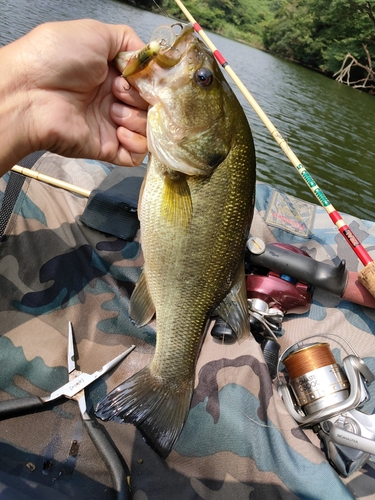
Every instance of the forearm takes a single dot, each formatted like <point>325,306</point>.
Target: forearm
<point>14,141</point>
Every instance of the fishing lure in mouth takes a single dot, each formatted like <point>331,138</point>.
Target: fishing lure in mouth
<point>137,61</point>
<point>163,38</point>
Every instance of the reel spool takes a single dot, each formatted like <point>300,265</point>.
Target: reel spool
<point>316,379</point>
<point>316,387</point>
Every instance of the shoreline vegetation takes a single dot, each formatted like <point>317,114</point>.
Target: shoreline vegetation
<point>334,37</point>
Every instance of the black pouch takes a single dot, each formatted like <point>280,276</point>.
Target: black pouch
<point>112,207</point>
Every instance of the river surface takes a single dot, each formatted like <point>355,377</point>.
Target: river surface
<point>329,126</point>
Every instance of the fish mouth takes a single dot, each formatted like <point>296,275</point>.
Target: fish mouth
<point>160,72</point>
<point>166,47</point>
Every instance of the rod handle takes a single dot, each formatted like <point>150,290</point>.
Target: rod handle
<point>367,277</point>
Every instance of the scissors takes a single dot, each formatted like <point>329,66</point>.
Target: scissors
<point>75,389</point>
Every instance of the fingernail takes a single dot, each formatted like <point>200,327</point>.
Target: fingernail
<point>121,84</point>
<point>120,110</point>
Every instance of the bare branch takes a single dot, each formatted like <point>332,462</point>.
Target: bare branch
<point>344,75</point>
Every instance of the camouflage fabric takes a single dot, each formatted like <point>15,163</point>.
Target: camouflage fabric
<point>239,441</point>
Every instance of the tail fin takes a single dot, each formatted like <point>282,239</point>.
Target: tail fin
<point>159,411</point>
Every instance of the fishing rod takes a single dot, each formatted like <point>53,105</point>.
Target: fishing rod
<point>367,275</point>
<point>27,172</point>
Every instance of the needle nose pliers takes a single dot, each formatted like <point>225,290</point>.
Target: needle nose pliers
<point>75,389</point>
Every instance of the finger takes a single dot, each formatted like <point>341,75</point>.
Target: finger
<point>133,142</point>
<point>128,117</point>
<point>126,158</point>
<point>128,94</point>
<point>123,38</point>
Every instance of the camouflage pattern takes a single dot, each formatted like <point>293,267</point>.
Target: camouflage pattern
<point>239,442</point>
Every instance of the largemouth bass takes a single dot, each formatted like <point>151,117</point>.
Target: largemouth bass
<point>195,212</point>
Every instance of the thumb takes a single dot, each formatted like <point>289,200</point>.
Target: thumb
<point>122,38</point>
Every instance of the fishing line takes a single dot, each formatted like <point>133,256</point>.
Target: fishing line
<point>367,274</point>
<point>239,407</point>
<point>162,11</point>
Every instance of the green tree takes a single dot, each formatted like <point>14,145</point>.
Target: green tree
<point>320,32</point>
<point>347,27</point>
<point>238,19</point>
<point>292,33</point>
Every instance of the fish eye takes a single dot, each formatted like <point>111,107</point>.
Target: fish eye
<point>204,77</point>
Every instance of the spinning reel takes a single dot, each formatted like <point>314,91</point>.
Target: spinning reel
<point>318,393</point>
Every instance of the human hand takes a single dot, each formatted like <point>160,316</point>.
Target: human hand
<point>62,85</point>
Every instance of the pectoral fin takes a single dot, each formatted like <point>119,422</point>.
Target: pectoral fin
<point>177,206</point>
<point>234,309</point>
<point>141,308</point>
